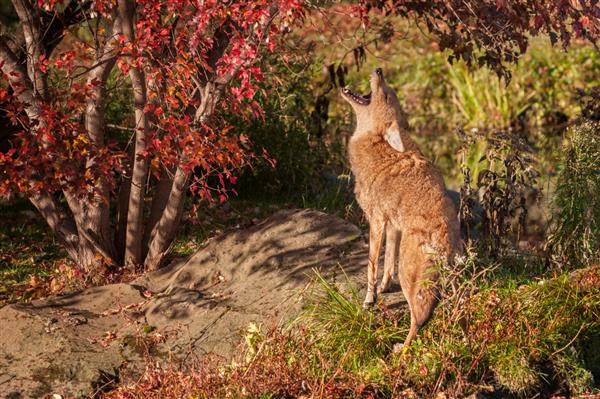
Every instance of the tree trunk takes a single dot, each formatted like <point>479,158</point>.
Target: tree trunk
<point>122,210</point>
<point>97,217</point>
<point>59,222</point>
<point>164,231</point>
<point>135,213</point>
<point>159,203</point>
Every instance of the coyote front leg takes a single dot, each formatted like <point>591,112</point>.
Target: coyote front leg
<point>390,260</point>
<point>376,227</point>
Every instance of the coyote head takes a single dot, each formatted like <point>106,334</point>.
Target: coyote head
<point>378,112</point>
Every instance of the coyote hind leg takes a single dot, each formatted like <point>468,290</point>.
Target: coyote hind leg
<point>392,248</point>
<point>376,227</point>
<point>419,282</point>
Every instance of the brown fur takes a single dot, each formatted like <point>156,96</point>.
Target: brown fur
<point>402,192</point>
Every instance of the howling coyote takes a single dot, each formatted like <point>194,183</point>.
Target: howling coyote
<point>402,192</point>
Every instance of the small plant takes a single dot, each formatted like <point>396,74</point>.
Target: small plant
<point>496,106</point>
<point>341,328</point>
<point>575,238</point>
<point>500,176</point>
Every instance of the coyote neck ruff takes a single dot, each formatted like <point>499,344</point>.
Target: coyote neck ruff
<point>401,192</point>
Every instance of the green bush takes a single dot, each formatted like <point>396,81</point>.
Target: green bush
<point>289,154</point>
<point>288,162</point>
<point>575,239</point>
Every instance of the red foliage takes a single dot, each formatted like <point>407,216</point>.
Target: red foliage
<point>493,33</point>
<point>174,43</point>
<point>189,64</point>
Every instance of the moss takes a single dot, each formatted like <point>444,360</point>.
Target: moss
<point>514,373</point>
<point>569,367</point>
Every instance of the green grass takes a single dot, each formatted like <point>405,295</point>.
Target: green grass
<point>29,255</point>
<point>523,337</point>
<point>357,339</point>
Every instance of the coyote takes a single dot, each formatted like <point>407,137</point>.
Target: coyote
<point>400,192</point>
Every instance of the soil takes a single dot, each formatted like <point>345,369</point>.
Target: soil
<point>81,343</point>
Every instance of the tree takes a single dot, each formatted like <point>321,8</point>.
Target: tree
<point>496,33</point>
<point>187,63</point>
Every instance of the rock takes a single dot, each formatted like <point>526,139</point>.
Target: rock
<point>76,344</point>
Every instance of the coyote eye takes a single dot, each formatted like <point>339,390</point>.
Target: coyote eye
<point>387,98</point>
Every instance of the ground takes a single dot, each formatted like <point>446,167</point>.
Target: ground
<point>80,343</point>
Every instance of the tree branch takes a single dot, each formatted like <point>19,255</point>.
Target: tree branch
<point>54,26</point>
<point>18,79</point>
<point>32,30</point>
<point>98,75</point>
<point>212,91</point>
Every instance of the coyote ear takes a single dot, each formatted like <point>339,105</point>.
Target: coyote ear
<point>392,136</point>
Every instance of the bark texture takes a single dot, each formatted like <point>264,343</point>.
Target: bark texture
<point>135,213</point>
<point>96,221</point>
<point>164,231</point>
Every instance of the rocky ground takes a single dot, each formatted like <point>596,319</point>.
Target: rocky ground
<point>75,344</point>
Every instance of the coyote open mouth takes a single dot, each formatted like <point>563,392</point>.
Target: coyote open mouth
<point>357,98</point>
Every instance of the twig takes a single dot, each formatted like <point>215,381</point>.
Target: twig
<point>570,342</point>
<point>123,128</point>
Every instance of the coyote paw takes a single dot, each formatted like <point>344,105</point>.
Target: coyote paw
<point>386,285</point>
<point>370,300</point>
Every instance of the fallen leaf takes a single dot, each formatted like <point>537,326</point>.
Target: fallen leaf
<point>109,336</point>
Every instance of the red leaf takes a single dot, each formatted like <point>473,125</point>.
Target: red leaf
<point>49,138</point>
<point>148,108</point>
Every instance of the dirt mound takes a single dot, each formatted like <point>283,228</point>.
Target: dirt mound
<point>75,344</point>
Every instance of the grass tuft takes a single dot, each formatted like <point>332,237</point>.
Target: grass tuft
<point>339,326</point>
<point>575,238</point>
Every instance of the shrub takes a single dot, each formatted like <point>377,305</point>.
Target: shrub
<point>500,182</point>
<point>575,238</point>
